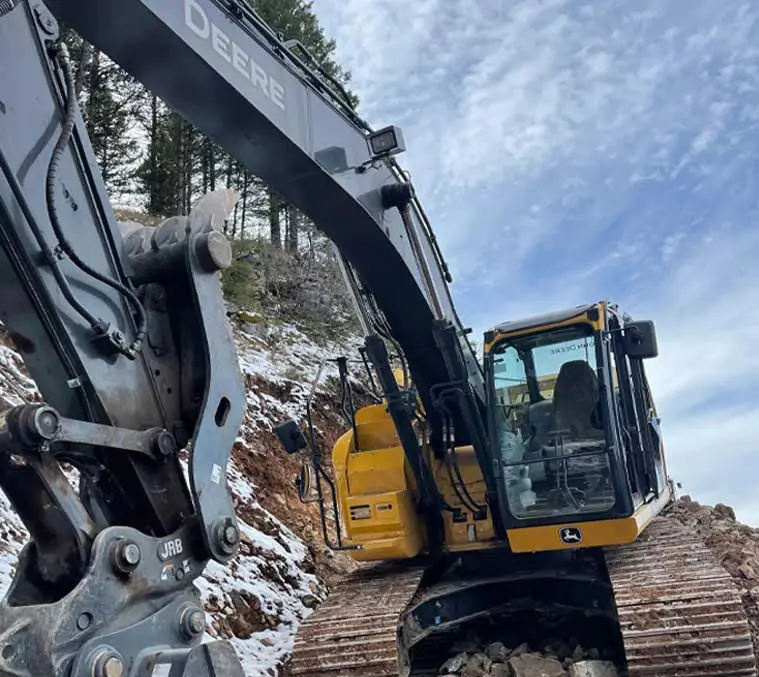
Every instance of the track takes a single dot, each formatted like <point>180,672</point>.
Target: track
<point>680,614</point>
<point>354,632</point>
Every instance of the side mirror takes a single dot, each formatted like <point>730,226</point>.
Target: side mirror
<point>640,340</point>
<point>290,436</point>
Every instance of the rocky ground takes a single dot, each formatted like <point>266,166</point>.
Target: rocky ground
<point>735,545</point>
<point>553,659</point>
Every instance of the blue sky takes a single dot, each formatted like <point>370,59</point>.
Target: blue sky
<point>571,150</point>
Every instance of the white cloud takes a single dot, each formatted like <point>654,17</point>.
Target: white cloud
<point>572,151</point>
<point>524,97</point>
<point>705,377</point>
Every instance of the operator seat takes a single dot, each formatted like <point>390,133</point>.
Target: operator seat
<point>575,398</point>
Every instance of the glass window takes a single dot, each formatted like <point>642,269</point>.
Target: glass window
<point>549,425</point>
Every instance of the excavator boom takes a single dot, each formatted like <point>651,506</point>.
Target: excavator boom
<point>124,331</point>
<point>223,69</point>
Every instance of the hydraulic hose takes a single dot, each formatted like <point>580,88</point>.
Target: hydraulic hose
<point>18,193</point>
<point>6,6</point>
<point>62,57</point>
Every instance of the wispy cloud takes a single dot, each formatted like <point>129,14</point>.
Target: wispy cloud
<point>569,151</point>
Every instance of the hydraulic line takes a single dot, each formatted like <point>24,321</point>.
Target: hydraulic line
<point>6,6</point>
<point>62,57</point>
<point>46,252</point>
<point>451,460</point>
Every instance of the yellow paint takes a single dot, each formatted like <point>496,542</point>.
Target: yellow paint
<point>581,317</point>
<point>376,490</point>
<point>601,533</point>
<point>471,534</point>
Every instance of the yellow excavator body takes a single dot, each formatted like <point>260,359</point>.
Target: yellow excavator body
<point>378,492</point>
<point>579,527</point>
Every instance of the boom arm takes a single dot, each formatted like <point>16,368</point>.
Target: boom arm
<point>126,338</point>
<point>225,72</point>
<point>222,69</point>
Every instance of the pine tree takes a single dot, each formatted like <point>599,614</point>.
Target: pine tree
<point>108,99</point>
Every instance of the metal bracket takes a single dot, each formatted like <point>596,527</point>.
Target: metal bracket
<point>133,578</point>
<point>38,426</point>
<point>192,250</point>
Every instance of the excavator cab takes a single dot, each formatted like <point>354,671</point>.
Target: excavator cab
<point>573,426</point>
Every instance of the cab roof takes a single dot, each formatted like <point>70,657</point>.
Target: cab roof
<point>546,318</point>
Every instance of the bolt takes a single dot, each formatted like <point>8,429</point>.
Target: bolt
<point>112,667</point>
<point>127,557</point>
<point>131,554</point>
<point>192,622</point>
<point>106,662</point>
<point>34,423</point>
<point>214,252</point>
<point>164,445</point>
<point>228,536</point>
<point>47,422</point>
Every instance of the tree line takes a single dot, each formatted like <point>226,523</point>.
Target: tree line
<point>153,159</point>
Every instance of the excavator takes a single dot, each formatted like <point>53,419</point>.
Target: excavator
<point>470,490</point>
<point>542,522</point>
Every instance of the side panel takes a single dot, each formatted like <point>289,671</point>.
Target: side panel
<point>464,532</point>
<point>376,491</point>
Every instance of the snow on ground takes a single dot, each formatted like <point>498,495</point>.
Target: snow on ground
<point>284,356</point>
<point>258,601</point>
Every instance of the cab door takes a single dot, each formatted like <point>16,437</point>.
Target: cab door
<point>639,424</point>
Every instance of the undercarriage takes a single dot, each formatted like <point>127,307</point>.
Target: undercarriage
<point>660,607</point>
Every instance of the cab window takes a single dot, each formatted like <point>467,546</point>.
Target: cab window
<point>549,426</point>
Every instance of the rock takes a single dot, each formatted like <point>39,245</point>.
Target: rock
<point>476,666</point>
<point>593,669</point>
<point>578,654</point>
<point>535,665</point>
<point>500,670</point>
<point>522,648</point>
<point>747,571</point>
<point>455,664</point>
<point>497,651</point>
<point>309,601</point>
<point>724,511</point>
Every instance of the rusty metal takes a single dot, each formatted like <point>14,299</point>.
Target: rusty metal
<point>680,612</point>
<point>355,632</point>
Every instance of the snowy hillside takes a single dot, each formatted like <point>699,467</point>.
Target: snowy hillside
<point>275,581</point>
